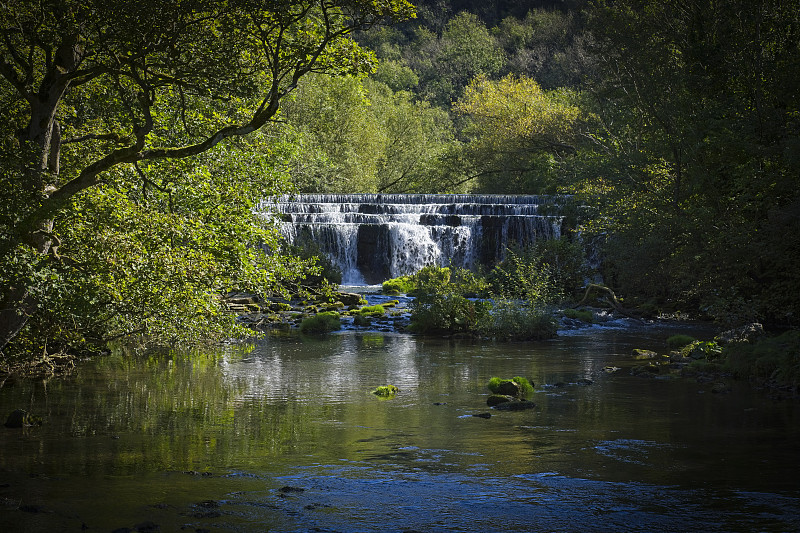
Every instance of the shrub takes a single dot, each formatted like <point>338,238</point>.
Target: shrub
<point>447,312</point>
<point>431,279</point>
<point>523,275</point>
<point>321,323</point>
<point>401,285</point>
<point>775,358</point>
<point>675,342</point>
<point>515,320</point>
<point>566,260</point>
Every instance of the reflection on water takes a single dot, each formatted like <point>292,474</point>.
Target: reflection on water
<point>286,436</point>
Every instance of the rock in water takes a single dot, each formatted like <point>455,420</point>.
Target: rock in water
<point>520,405</point>
<point>508,388</point>
<point>17,419</point>
<point>497,399</point>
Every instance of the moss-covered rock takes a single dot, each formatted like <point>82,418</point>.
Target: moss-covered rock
<point>386,391</point>
<point>497,399</point>
<point>516,387</point>
<point>321,323</point>
<point>372,311</point>
<point>642,355</point>
<point>349,298</point>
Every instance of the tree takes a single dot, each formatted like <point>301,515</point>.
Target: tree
<point>416,137</point>
<point>698,106</point>
<point>546,45</point>
<point>339,141</point>
<point>516,133</point>
<point>356,135</point>
<point>96,89</point>
<point>445,65</point>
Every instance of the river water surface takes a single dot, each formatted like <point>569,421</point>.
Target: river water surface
<point>286,436</point>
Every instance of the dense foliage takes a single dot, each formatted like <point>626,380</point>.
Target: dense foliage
<point>107,229</point>
<point>456,301</point>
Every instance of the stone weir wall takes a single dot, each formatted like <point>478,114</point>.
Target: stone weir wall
<point>375,237</point>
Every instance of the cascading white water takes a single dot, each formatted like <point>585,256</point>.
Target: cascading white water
<point>374,237</point>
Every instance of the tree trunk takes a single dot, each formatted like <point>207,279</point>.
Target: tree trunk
<point>17,303</point>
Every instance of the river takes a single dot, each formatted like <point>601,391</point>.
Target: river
<point>285,435</point>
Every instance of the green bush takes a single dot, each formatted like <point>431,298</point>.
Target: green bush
<point>676,342</point>
<point>431,279</point>
<point>566,261</point>
<point>401,285</point>
<point>516,320</point>
<point>321,323</point>
<point>771,358</point>
<point>445,312</point>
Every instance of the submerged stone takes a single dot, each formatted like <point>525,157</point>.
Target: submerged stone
<point>497,399</point>
<point>517,405</point>
<point>21,418</point>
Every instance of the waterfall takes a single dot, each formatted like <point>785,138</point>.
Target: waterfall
<point>375,237</point>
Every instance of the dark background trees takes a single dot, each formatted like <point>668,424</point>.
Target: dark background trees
<point>684,146</point>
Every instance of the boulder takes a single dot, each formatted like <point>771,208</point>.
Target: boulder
<point>349,298</point>
<point>641,355</point>
<point>508,388</point>
<point>497,399</point>
<point>18,418</point>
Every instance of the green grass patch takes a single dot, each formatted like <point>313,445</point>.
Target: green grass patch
<point>583,316</point>
<point>676,342</point>
<point>372,311</point>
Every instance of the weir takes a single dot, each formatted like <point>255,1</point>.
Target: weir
<point>375,237</point>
